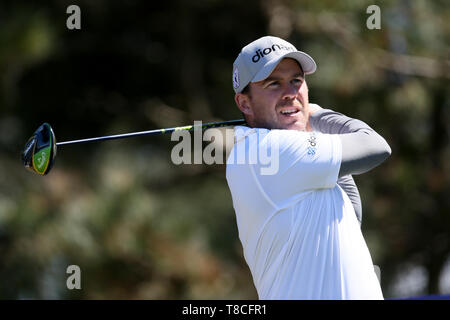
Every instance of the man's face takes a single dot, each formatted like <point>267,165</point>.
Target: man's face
<point>281,100</point>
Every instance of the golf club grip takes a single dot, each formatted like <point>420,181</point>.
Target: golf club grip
<point>157,131</point>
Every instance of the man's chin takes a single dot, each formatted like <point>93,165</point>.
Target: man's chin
<point>295,125</point>
<point>298,128</point>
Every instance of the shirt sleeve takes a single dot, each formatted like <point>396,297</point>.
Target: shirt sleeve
<point>362,147</point>
<point>299,161</point>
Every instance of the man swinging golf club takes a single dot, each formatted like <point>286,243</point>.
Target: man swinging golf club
<point>300,226</point>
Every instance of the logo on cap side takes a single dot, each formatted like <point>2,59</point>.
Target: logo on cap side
<point>260,53</point>
<point>236,78</point>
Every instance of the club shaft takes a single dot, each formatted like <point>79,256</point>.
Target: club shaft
<point>157,131</point>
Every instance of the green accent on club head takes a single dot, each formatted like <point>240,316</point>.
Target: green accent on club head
<point>40,150</point>
<point>41,160</point>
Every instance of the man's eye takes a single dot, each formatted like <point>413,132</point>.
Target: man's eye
<point>297,81</point>
<point>273,84</point>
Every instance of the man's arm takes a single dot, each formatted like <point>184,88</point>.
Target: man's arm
<point>362,148</point>
<point>360,152</point>
<point>349,186</point>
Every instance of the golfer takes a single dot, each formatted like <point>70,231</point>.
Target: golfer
<point>299,225</point>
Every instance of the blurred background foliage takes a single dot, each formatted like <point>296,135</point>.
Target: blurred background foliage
<point>140,227</point>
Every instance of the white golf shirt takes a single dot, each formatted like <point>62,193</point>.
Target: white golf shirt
<point>300,236</point>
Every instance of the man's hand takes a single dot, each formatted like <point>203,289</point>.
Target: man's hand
<point>312,109</point>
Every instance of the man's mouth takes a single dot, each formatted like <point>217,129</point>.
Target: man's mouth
<point>289,111</point>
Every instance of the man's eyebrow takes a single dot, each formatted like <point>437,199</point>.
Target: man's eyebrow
<point>274,78</point>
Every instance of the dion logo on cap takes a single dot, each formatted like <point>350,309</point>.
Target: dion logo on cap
<point>260,53</point>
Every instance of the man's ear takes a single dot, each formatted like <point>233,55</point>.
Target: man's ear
<point>243,103</point>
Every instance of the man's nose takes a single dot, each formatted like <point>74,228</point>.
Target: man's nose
<point>290,91</point>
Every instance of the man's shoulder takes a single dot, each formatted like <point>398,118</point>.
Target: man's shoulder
<point>244,131</point>
<point>280,139</point>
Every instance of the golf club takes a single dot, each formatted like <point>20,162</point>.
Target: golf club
<point>40,150</point>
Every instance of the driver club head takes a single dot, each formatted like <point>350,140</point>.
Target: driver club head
<point>40,150</point>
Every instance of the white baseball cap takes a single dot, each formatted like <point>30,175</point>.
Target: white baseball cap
<point>257,60</point>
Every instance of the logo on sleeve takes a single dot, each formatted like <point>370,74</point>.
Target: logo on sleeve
<point>312,144</point>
